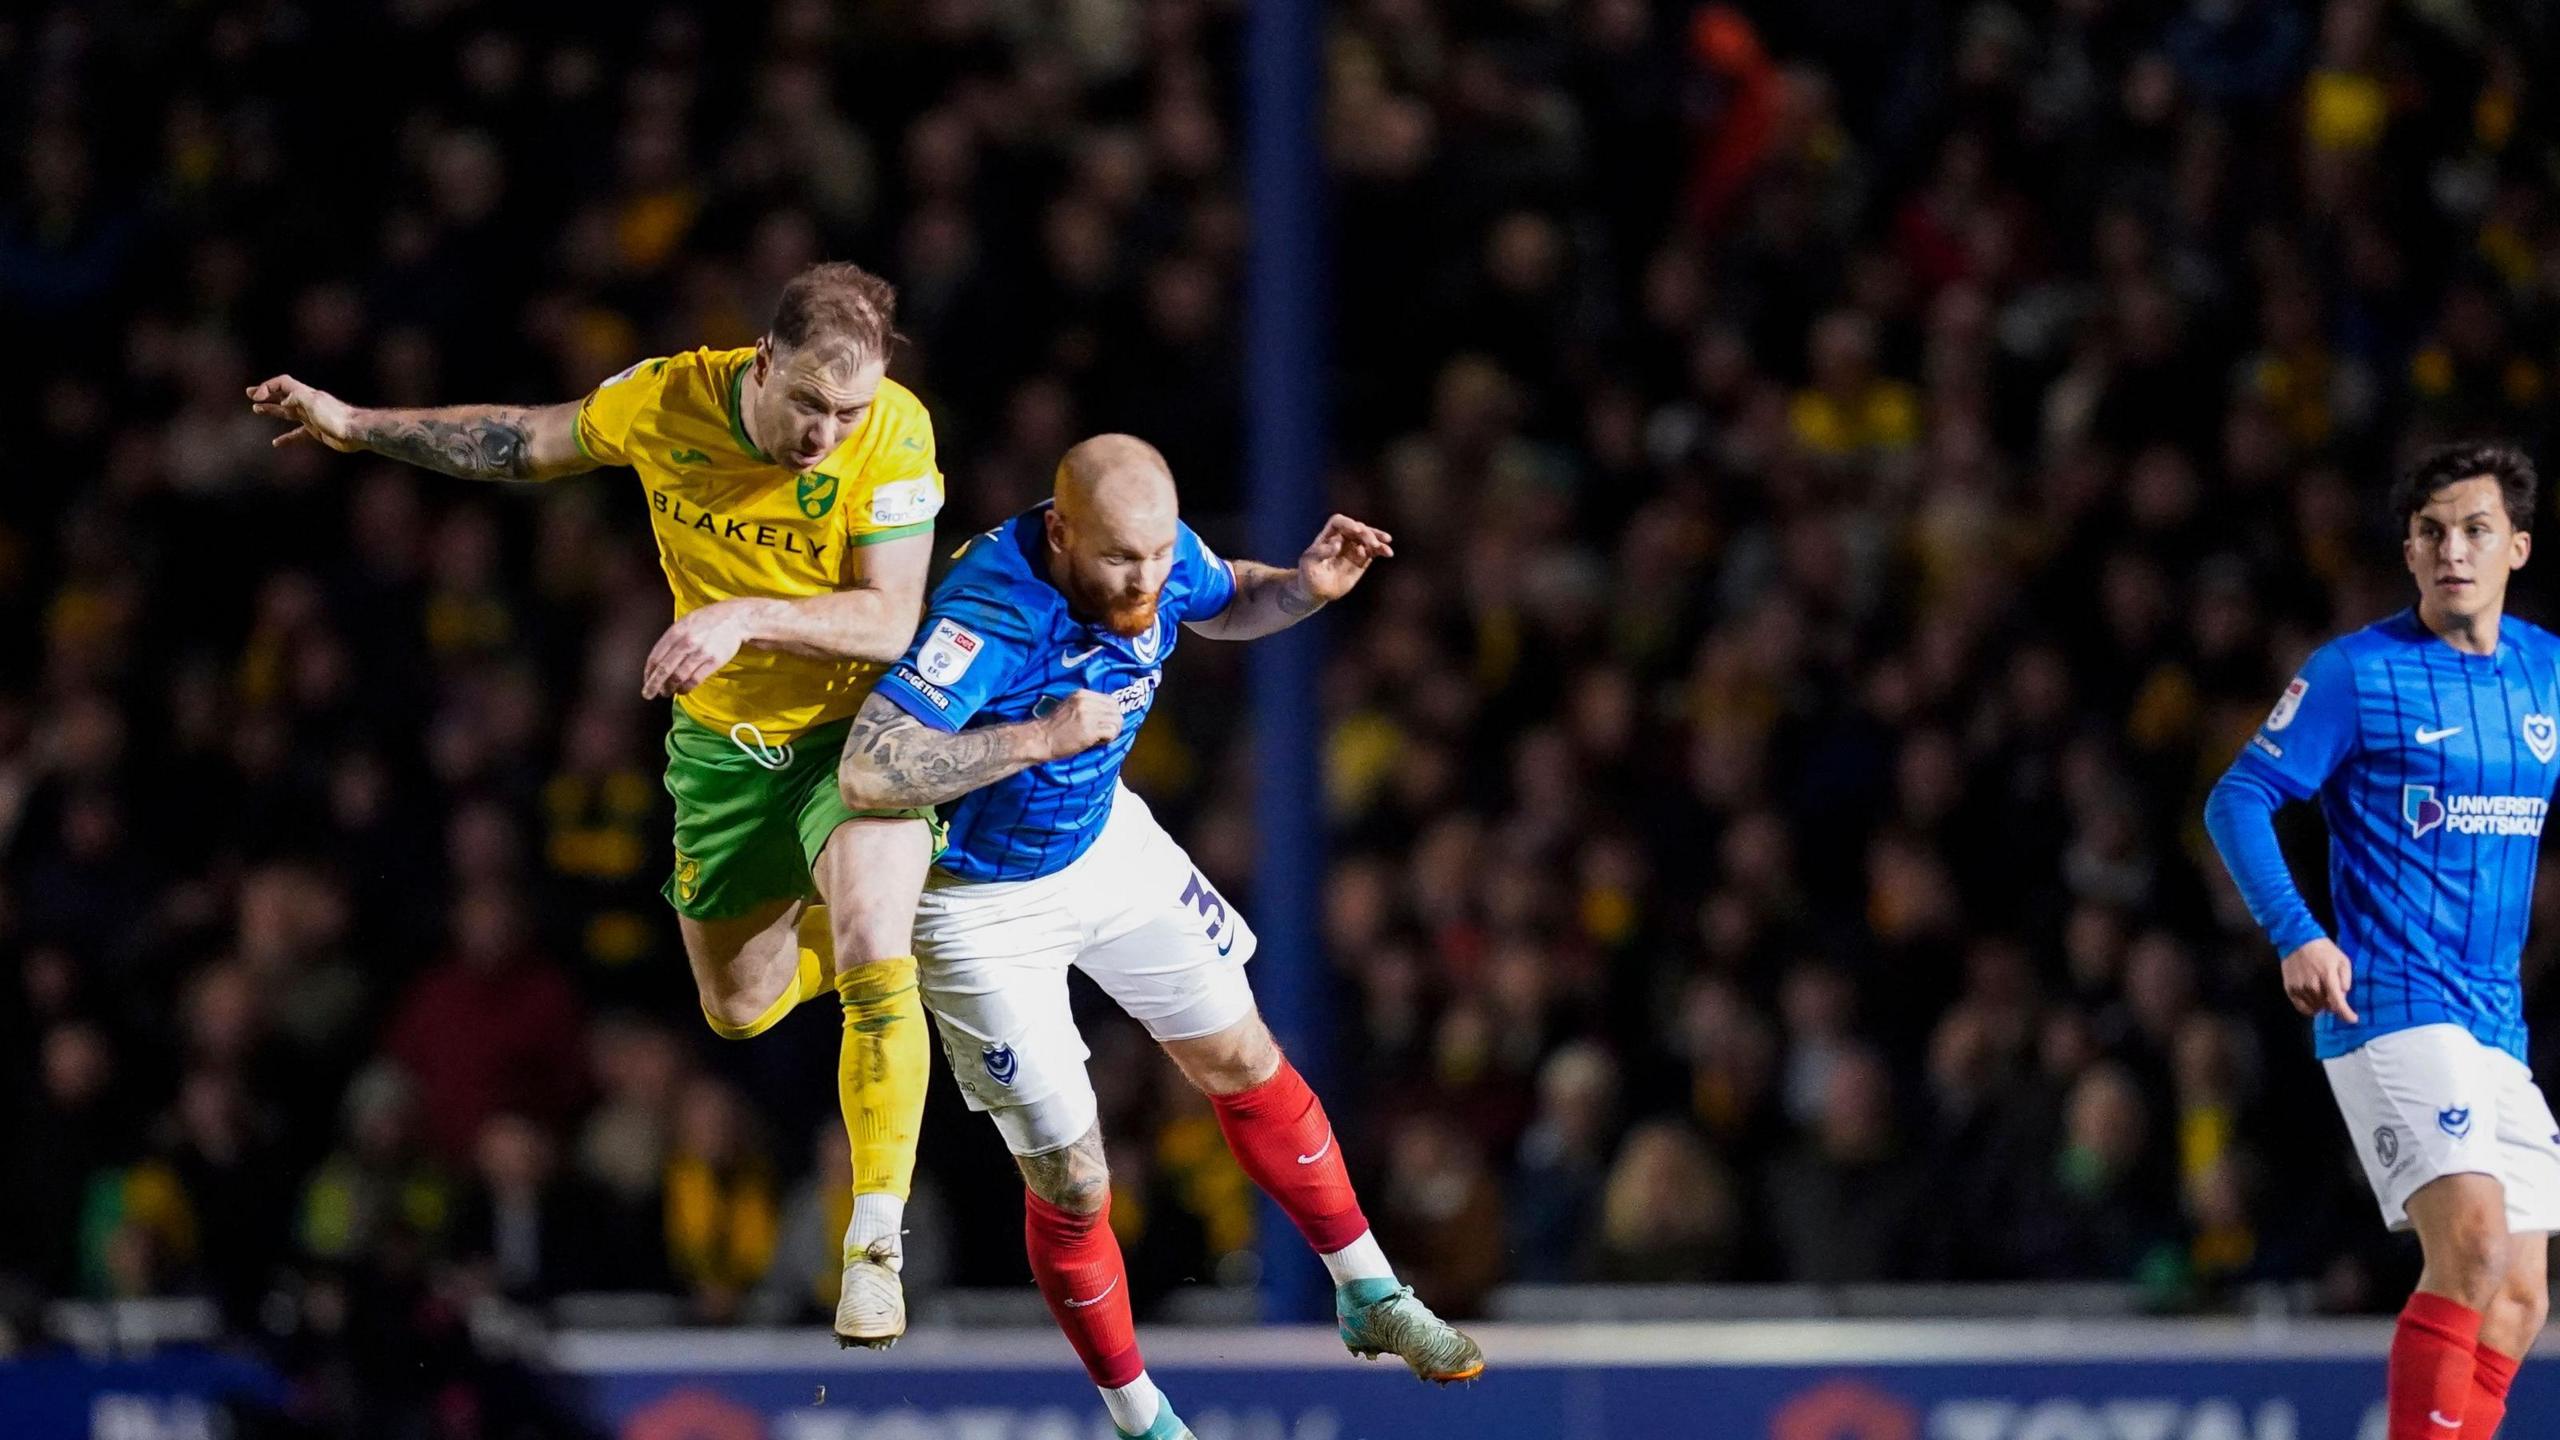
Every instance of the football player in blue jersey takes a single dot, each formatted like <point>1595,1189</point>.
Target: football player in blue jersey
<point>2429,740</point>
<point>1038,660</point>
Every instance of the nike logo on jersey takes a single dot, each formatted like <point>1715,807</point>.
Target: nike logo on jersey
<point>1075,1304</point>
<point>2429,737</point>
<point>687,457</point>
<point>1078,657</point>
<point>2436,1417</point>
<point>1320,1150</point>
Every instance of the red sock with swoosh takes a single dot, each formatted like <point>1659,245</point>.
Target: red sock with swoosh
<point>2492,1371</point>
<point>2431,1369</point>
<point>1076,1260</point>
<point>1281,1137</point>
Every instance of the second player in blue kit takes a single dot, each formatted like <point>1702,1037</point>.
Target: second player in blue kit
<point>2431,742</point>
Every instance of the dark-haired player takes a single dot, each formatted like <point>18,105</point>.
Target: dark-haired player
<point>792,489</point>
<point>2431,742</point>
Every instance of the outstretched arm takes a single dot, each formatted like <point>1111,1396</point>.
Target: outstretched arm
<point>1269,599</point>
<point>477,442</point>
<point>892,760</point>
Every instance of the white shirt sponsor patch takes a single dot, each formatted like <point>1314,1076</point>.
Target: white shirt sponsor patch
<point>949,650</point>
<point>903,502</point>
<point>2290,702</point>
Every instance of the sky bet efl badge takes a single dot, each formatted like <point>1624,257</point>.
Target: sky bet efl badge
<point>2290,702</point>
<point>947,653</point>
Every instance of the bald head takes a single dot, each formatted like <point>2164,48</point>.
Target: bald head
<point>1112,531</point>
<point>1110,476</point>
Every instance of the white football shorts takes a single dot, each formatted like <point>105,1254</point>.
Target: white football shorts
<point>2432,1101</point>
<point>1133,913</point>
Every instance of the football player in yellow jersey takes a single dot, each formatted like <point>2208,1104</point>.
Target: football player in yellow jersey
<point>792,489</point>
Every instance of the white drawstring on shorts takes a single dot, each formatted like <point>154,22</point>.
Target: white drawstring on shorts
<point>747,737</point>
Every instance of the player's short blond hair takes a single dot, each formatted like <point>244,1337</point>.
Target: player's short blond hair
<point>838,304</point>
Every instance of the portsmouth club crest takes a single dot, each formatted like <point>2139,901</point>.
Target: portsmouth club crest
<point>2541,736</point>
<point>1002,1064</point>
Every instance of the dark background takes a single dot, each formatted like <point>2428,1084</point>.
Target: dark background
<point>1859,470</point>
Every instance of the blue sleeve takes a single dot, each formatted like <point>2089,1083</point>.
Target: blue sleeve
<point>2240,814</point>
<point>969,650</point>
<point>2309,734</point>
<point>1209,582</point>
<point>2312,730</point>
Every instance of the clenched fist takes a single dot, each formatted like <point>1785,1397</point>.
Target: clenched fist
<point>1079,722</point>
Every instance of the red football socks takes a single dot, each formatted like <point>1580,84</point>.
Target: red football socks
<point>2491,1372</point>
<point>1076,1260</point>
<point>2431,1369</point>
<point>1281,1137</point>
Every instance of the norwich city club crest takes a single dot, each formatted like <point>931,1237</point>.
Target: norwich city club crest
<point>817,495</point>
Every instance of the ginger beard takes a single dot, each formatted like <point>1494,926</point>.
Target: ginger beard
<point>1122,611</point>
<point>1112,567</point>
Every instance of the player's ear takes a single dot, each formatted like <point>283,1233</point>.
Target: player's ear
<point>764,358</point>
<point>2517,553</point>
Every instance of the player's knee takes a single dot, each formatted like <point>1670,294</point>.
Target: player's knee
<point>2526,1298</point>
<point>1075,1179</point>
<point>2473,1261</point>
<point>1237,1058</point>
<point>737,1014</point>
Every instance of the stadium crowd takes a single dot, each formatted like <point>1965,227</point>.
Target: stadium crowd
<point>1858,472</point>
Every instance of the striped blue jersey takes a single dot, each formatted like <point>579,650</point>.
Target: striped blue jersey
<point>998,646</point>
<point>2434,770</point>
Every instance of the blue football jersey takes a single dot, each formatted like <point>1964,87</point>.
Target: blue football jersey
<point>2434,770</point>
<point>999,646</point>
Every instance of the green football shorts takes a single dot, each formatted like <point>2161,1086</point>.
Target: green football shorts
<point>751,821</point>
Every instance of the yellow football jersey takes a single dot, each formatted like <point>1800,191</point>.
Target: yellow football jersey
<point>732,523</point>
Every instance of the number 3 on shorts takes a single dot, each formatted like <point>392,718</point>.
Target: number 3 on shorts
<point>1198,896</point>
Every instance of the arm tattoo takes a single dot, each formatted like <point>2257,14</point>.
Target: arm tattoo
<point>1266,600</point>
<point>1293,602</point>
<point>902,761</point>
<point>475,442</point>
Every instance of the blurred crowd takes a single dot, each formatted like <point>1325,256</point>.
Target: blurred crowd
<point>1859,469</point>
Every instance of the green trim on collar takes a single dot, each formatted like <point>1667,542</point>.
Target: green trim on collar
<point>737,416</point>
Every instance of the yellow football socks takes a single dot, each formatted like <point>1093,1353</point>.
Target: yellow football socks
<point>880,1072</point>
<point>881,1069</point>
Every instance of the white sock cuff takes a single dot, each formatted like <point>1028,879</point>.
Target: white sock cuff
<point>1362,1259</point>
<point>877,1216</point>
<point>1133,1406</point>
